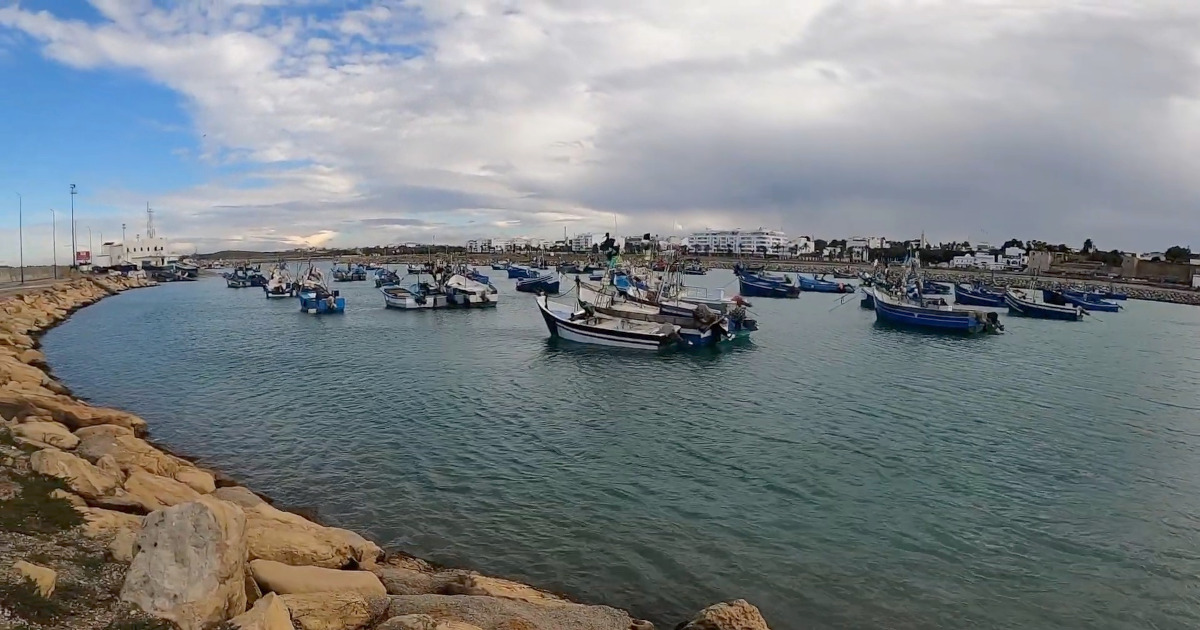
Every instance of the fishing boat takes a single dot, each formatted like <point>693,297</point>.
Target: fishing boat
<point>590,267</point>
<point>1111,294</point>
<point>315,296</point>
<point>257,279</point>
<point>977,295</point>
<point>419,295</point>
<point>868,298</point>
<point>596,276</point>
<point>358,274</point>
<point>462,291</point>
<point>913,312</point>
<point>386,278</point>
<point>1088,300</point>
<point>755,285</point>
<point>235,282</point>
<point>500,266</point>
<point>820,285</point>
<point>419,268</point>
<point>843,274</point>
<point>694,269</point>
<point>539,284</point>
<point>280,284</point>
<point>341,274</point>
<point>698,324</point>
<point>570,268</point>
<point>935,288</point>
<point>584,325</point>
<point>1025,303</point>
<point>520,273</point>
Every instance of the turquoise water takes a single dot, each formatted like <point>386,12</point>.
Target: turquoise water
<point>836,473</point>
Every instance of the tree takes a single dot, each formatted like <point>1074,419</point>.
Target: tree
<point>1178,254</point>
<point>595,248</point>
<point>820,244</point>
<point>1014,242</point>
<point>1088,247</point>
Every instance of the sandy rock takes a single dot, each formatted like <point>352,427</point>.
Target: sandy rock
<point>73,413</point>
<point>253,592</point>
<point>285,579</point>
<point>82,477</point>
<point>292,539</point>
<point>153,492</point>
<point>189,564</point>
<point>32,357</point>
<point>12,369</point>
<point>738,614</point>
<point>105,524</point>
<point>75,500</point>
<point>51,433</point>
<point>497,587</point>
<point>43,577</point>
<point>123,545</point>
<point>493,613</point>
<point>129,452</point>
<point>423,622</point>
<point>107,430</point>
<point>366,552</point>
<point>400,581</point>
<point>239,496</point>
<point>268,613</point>
<point>196,479</point>
<point>334,610</point>
<point>110,465</point>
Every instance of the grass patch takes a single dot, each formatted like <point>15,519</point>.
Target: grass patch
<point>23,599</point>
<point>34,511</point>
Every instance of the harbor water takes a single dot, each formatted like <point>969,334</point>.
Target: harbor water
<point>835,472</point>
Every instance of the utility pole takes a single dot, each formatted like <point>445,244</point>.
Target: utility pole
<point>54,241</point>
<point>73,248</point>
<point>21,232</point>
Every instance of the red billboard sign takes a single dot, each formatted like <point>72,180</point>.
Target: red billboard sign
<point>83,257</point>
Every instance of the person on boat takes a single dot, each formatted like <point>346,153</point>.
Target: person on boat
<point>738,314</point>
<point>608,247</point>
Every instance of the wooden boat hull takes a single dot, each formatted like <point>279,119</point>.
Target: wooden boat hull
<point>561,327</point>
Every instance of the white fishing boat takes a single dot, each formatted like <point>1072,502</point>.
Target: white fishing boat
<point>465,292</point>
<point>280,284</point>
<point>587,326</point>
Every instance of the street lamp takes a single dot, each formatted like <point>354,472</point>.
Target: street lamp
<point>54,241</point>
<point>21,232</point>
<point>73,248</point>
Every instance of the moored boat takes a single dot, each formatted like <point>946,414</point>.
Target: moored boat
<point>420,295</point>
<point>820,285</point>
<point>539,284</point>
<point>977,295</point>
<point>1025,303</point>
<point>465,292</point>
<point>386,278</point>
<point>753,285</point>
<point>588,327</point>
<point>315,296</point>
<point>280,284</point>
<point>1087,300</point>
<point>500,265</point>
<point>914,312</point>
<point>519,272</point>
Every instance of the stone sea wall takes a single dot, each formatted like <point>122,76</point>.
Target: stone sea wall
<point>201,552</point>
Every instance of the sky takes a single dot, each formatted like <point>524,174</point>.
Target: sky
<point>272,124</point>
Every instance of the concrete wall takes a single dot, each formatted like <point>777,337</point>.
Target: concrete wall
<point>13,274</point>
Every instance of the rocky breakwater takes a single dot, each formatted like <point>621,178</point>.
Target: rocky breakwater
<point>144,539</point>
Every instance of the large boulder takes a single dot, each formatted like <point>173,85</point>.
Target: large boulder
<point>268,613</point>
<point>239,495</point>
<point>292,539</point>
<point>335,610</point>
<point>153,492</point>
<point>131,453</point>
<point>738,614</point>
<point>189,564</point>
<point>81,476</point>
<point>73,413</point>
<point>286,579</point>
<point>109,430</point>
<point>48,433</point>
<point>494,613</point>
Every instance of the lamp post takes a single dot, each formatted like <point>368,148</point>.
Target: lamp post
<point>54,241</point>
<point>73,248</point>
<point>21,232</point>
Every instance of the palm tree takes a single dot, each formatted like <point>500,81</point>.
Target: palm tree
<point>1088,247</point>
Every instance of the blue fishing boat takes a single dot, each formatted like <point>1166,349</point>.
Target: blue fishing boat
<point>1110,294</point>
<point>358,273</point>
<point>977,295</point>
<point>476,276</point>
<point>819,285</point>
<point>570,268</point>
<point>521,273</point>
<point>912,311</point>
<point>935,288</point>
<point>753,285</point>
<point>699,327</point>
<point>500,266</point>
<point>547,283</point>
<point>1089,301</point>
<point>386,278</point>
<point>1021,302</point>
<point>315,296</point>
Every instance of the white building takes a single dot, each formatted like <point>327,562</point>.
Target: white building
<point>149,250</point>
<point>479,246</point>
<point>801,246</point>
<point>979,260</point>
<point>739,241</point>
<point>583,242</point>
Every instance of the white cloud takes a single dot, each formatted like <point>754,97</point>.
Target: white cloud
<point>1008,117</point>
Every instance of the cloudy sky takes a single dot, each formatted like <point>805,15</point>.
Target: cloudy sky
<point>270,124</point>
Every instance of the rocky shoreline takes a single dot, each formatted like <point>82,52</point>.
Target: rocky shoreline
<point>136,538</point>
